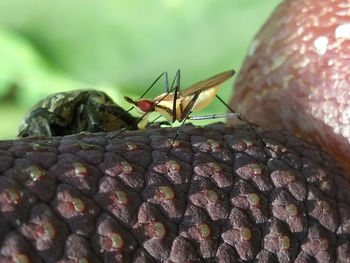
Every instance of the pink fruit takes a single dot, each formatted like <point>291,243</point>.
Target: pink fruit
<point>296,75</point>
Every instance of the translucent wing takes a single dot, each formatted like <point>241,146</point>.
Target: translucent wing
<point>208,83</point>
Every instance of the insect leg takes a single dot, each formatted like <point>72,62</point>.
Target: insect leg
<point>239,116</point>
<point>177,87</point>
<point>154,82</point>
<point>125,114</point>
<point>127,128</point>
<point>166,81</point>
<point>177,76</point>
<point>189,106</point>
<point>215,116</point>
<point>184,116</point>
<point>155,122</point>
<point>151,86</point>
<point>177,79</point>
<point>250,124</point>
<point>120,116</point>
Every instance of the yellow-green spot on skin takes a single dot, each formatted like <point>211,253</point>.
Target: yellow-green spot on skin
<point>217,168</point>
<point>248,143</point>
<point>325,206</point>
<point>158,230</point>
<point>78,205</point>
<point>176,143</point>
<point>254,199</point>
<point>126,167</point>
<point>37,147</point>
<point>256,169</point>
<point>284,242</point>
<point>212,196</point>
<point>130,146</point>
<point>289,176</point>
<point>246,234</point>
<point>86,134</point>
<point>80,169</point>
<point>83,260</point>
<point>20,258</point>
<point>324,186</point>
<point>122,197</point>
<point>203,230</point>
<point>292,210</point>
<point>284,149</point>
<point>83,145</point>
<point>117,240</point>
<point>321,174</point>
<point>35,173</point>
<point>13,196</point>
<point>213,144</point>
<point>49,231</point>
<point>173,165</point>
<point>323,244</point>
<point>166,192</point>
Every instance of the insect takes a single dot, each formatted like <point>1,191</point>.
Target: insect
<point>72,112</point>
<point>175,105</point>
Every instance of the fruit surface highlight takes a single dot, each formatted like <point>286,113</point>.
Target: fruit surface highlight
<point>296,74</point>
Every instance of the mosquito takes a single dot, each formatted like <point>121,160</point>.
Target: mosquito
<point>175,105</point>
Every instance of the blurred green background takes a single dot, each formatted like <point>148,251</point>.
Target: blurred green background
<point>118,46</point>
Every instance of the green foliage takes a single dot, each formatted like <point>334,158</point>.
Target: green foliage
<point>118,46</point>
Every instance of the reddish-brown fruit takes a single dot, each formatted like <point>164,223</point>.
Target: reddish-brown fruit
<point>225,194</point>
<point>296,75</point>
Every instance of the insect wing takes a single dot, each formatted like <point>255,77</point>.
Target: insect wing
<point>207,83</point>
<point>207,88</point>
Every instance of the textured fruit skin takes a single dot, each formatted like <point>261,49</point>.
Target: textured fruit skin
<point>296,74</point>
<point>220,196</point>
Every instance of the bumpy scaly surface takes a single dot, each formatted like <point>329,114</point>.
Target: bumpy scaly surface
<point>220,196</point>
<point>296,74</point>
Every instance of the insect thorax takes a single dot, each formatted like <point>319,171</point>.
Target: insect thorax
<point>164,105</point>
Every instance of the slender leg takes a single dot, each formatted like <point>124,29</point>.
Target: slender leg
<point>177,87</point>
<point>134,123</point>
<point>189,106</point>
<point>155,122</point>
<point>184,116</point>
<point>121,115</point>
<point>148,89</point>
<point>166,81</point>
<point>174,103</point>
<point>154,82</point>
<point>239,116</point>
<point>250,124</point>
<point>215,116</point>
<point>177,80</point>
